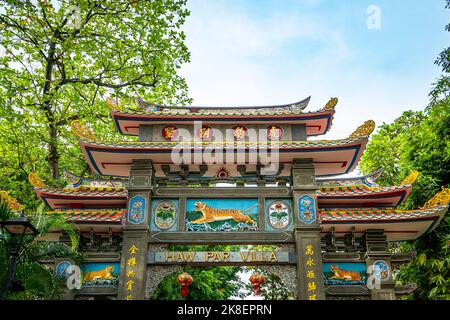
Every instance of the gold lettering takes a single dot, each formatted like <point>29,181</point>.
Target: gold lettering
<point>169,256</point>
<point>190,256</point>
<point>180,256</point>
<point>208,255</point>
<point>244,255</point>
<point>226,256</point>
<point>273,257</point>
<point>216,256</point>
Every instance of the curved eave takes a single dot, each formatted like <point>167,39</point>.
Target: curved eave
<point>60,199</point>
<point>383,198</point>
<point>367,180</point>
<point>300,105</point>
<point>397,225</point>
<point>329,157</point>
<point>101,221</point>
<point>317,123</point>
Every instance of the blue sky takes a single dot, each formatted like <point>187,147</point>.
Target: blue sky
<point>256,52</point>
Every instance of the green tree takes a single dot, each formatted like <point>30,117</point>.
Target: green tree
<point>421,141</point>
<point>33,279</point>
<point>60,59</point>
<point>209,283</point>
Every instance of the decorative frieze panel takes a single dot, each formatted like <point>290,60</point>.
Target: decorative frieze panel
<point>137,210</point>
<point>307,210</point>
<point>344,273</point>
<point>278,215</point>
<point>165,213</point>
<point>222,215</point>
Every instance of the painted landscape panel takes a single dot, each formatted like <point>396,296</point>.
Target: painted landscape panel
<point>221,215</point>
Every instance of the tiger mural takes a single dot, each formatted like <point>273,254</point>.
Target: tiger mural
<point>213,214</point>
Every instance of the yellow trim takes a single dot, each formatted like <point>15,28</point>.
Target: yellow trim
<point>83,212</point>
<point>83,132</point>
<point>10,201</point>
<point>411,178</point>
<point>442,198</point>
<point>36,181</point>
<point>331,104</point>
<point>363,130</point>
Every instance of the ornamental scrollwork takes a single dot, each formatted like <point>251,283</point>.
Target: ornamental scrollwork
<point>442,198</point>
<point>364,130</point>
<point>112,104</point>
<point>331,104</point>
<point>10,201</point>
<point>82,131</point>
<point>35,180</point>
<point>411,178</point>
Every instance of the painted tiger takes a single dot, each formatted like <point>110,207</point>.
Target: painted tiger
<point>213,214</point>
<point>340,274</point>
<point>100,274</point>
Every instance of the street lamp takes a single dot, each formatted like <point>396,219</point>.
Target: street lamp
<point>19,229</point>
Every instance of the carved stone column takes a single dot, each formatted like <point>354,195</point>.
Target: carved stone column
<point>133,267</point>
<point>378,263</point>
<point>310,282</point>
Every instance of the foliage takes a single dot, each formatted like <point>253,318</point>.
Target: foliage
<point>33,279</point>
<point>273,287</point>
<point>209,283</point>
<point>213,283</point>
<point>420,141</point>
<point>60,59</point>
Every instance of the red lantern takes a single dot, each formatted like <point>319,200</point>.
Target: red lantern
<point>256,280</point>
<point>184,280</point>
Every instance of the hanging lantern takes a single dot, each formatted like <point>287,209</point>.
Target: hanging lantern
<point>256,280</point>
<point>184,280</point>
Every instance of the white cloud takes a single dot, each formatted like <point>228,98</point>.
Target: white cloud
<point>282,57</point>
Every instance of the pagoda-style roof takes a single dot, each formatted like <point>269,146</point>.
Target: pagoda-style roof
<point>398,225</point>
<point>101,195</point>
<point>338,194</point>
<point>330,157</point>
<point>317,122</point>
<point>78,183</point>
<point>60,199</point>
<point>351,197</point>
<point>91,216</point>
<point>367,180</point>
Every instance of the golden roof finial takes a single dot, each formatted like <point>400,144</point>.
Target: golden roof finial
<point>10,201</point>
<point>331,104</point>
<point>112,104</point>
<point>82,131</point>
<point>411,178</point>
<point>36,181</point>
<point>363,130</point>
<point>442,198</point>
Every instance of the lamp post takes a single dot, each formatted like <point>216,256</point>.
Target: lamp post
<point>19,229</point>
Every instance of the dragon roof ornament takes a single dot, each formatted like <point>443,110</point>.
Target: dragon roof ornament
<point>411,178</point>
<point>83,132</point>
<point>442,198</point>
<point>331,104</point>
<point>363,130</point>
<point>10,201</point>
<point>36,181</point>
<point>113,105</point>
